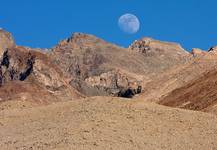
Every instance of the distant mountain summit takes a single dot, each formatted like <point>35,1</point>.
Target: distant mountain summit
<point>81,41</point>
<point>149,46</point>
<point>84,65</point>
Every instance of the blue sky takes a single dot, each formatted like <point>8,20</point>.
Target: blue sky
<point>42,23</point>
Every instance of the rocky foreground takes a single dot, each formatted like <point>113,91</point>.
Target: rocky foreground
<point>86,93</point>
<point>107,123</point>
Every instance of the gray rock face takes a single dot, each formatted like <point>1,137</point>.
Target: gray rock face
<point>113,82</point>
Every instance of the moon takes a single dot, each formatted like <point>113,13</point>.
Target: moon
<point>129,23</point>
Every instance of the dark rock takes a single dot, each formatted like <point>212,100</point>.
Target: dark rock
<point>17,66</point>
<point>127,93</point>
<point>139,90</point>
<point>130,92</point>
<point>5,61</point>
<point>29,68</point>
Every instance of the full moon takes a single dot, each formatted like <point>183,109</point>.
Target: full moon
<point>129,23</point>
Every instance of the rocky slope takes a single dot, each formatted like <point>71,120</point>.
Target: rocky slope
<point>107,123</point>
<point>199,94</point>
<point>178,76</point>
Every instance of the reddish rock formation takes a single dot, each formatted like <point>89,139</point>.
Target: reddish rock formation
<point>199,94</point>
<point>26,71</point>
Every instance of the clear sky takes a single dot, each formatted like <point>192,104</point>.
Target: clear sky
<point>42,23</point>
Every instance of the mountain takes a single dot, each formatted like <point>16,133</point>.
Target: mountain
<point>27,74</point>
<point>101,68</point>
<point>84,65</point>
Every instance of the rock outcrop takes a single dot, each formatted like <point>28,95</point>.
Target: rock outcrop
<point>15,65</point>
<point>6,41</point>
<point>151,47</point>
<point>114,82</point>
<point>213,49</point>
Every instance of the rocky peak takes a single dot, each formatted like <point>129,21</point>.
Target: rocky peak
<point>150,46</point>
<point>6,41</point>
<point>81,41</point>
<point>83,38</point>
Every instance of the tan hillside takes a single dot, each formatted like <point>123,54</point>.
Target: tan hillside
<point>107,123</point>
